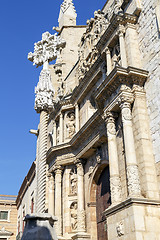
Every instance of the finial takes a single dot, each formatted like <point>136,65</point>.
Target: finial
<point>67,15</point>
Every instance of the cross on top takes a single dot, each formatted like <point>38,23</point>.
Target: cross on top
<point>46,50</point>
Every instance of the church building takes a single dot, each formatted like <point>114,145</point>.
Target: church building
<point>97,166</point>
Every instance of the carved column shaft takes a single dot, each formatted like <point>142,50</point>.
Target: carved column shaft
<point>80,195</point>
<point>113,159</point>
<point>61,128</point>
<point>77,117</point>
<point>51,194</point>
<point>122,48</point>
<point>131,161</point>
<point>58,200</point>
<point>41,171</point>
<point>54,134</point>
<point>108,60</point>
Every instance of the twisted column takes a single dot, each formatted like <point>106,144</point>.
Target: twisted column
<point>41,170</point>
<point>81,226</point>
<point>58,199</point>
<point>134,188</point>
<point>113,159</point>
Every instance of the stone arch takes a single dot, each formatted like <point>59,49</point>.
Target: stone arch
<point>93,186</point>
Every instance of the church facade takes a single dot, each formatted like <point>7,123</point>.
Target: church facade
<point>97,166</point>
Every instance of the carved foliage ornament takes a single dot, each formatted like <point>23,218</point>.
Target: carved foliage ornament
<point>133,181</point>
<point>44,92</point>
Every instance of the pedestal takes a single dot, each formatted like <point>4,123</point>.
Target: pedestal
<point>81,236</point>
<point>39,227</point>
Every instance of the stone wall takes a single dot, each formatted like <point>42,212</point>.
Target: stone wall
<point>149,43</point>
<point>135,222</point>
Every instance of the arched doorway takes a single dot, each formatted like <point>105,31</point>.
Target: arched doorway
<point>103,201</point>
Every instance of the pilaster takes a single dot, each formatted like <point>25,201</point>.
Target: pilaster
<point>58,199</point>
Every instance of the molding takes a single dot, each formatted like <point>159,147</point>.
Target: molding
<point>129,202</point>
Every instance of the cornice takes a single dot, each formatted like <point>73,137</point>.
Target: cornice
<point>73,147</point>
<point>129,202</point>
<point>88,81</point>
<point>116,20</point>
<point>120,76</point>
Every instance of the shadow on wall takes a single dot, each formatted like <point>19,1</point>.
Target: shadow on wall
<point>39,227</point>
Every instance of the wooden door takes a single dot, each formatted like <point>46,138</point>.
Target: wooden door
<point>103,201</point>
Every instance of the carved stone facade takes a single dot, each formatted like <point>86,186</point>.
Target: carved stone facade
<point>97,145</point>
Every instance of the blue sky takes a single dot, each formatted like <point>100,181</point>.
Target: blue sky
<point>21,24</point>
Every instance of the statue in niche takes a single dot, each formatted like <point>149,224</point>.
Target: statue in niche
<point>73,212</point>
<point>73,181</point>
<point>70,126</point>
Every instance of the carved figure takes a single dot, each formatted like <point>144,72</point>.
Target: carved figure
<point>71,125</point>
<point>73,181</point>
<point>73,211</point>
<point>120,229</point>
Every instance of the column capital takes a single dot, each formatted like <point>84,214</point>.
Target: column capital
<point>110,123</point>
<point>107,51</point>
<point>126,97</point>
<point>121,30</point>
<point>58,169</point>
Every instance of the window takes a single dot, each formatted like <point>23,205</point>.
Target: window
<point>32,205</point>
<point>3,215</point>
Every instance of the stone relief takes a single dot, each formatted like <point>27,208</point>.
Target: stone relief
<point>115,8</point>
<point>73,214</point>
<point>115,189</point>
<point>133,181</point>
<point>70,125</point>
<point>88,52</point>
<point>73,181</point>
<point>120,229</point>
<point>99,155</point>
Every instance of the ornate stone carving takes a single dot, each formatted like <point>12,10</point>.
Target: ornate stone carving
<point>110,119</point>
<point>73,213</point>
<point>99,155</point>
<point>88,52</point>
<point>44,92</point>
<point>73,181</point>
<point>120,229</point>
<point>115,8</point>
<point>115,189</point>
<point>46,50</point>
<point>91,170</point>
<point>81,220</point>
<point>133,180</point>
<point>70,126</point>
<point>50,182</point>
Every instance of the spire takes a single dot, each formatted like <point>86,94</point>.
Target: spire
<point>67,15</point>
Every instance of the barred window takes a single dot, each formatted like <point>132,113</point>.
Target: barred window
<point>3,215</point>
